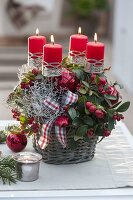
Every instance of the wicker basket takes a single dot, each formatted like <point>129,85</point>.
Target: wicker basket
<point>56,154</point>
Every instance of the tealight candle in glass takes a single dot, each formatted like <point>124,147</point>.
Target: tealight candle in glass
<point>27,164</point>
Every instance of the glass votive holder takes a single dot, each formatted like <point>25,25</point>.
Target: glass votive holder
<point>27,166</point>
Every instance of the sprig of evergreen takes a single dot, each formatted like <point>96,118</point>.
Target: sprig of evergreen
<point>8,172</point>
<point>2,136</point>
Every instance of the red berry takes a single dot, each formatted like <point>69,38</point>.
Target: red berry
<point>100,88</point>
<point>103,92</point>
<point>27,86</point>
<point>35,71</point>
<point>109,89</point>
<point>99,114</point>
<point>102,81</point>
<point>65,108</point>
<point>115,117</point>
<point>106,133</point>
<point>93,76</point>
<point>92,108</point>
<point>35,127</point>
<point>122,117</point>
<point>88,104</point>
<point>118,118</point>
<point>90,132</point>
<point>22,132</point>
<point>23,85</point>
<point>31,83</point>
<point>78,86</point>
<point>30,120</point>
<point>14,116</point>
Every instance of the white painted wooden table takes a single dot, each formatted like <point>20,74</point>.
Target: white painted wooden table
<point>81,181</point>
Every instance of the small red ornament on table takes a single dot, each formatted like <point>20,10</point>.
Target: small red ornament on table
<point>16,142</point>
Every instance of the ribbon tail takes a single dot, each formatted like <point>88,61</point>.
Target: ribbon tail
<point>44,138</point>
<point>69,98</point>
<point>61,135</point>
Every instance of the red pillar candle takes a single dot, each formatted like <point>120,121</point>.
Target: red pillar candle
<point>95,50</point>
<point>52,53</point>
<point>78,43</point>
<point>36,43</point>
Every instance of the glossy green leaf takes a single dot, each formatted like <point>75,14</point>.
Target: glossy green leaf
<point>82,91</point>
<point>86,84</point>
<point>88,120</point>
<point>110,97</point>
<point>123,107</point>
<point>72,113</point>
<point>82,130</point>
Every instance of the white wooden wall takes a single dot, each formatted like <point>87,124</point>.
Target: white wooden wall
<point>123,43</point>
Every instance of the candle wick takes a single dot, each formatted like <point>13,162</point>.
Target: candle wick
<point>53,43</point>
<point>95,41</point>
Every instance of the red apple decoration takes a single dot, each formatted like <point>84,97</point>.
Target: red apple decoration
<point>16,142</point>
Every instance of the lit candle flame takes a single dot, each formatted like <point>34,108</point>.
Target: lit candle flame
<point>52,39</point>
<point>37,31</point>
<point>95,37</point>
<point>79,30</point>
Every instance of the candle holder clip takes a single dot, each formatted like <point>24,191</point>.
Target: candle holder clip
<point>51,69</point>
<point>94,66</point>
<point>35,60</point>
<point>76,57</point>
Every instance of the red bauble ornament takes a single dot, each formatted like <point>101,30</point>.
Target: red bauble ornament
<point>62,121</point>
<point>113,92</point>
<point>68,80</point>
<point>16,142</point>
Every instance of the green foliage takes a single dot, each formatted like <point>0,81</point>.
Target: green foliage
<point>88,120</point>
<point>81,131</point>
<point>111,112</point>
<point>8,172</point>
<point>107,96</point>
<point>86,84</point>
<point>90,88</point>
<point>123,107</point>
<point>82,91</point>
<point>120,85</point>
<point>99,130</point>
<point>84,8</point>
<point>2,136</point>
<point>79,73</point>
<point>82,118</point>
<point>110,123</point>
<point>72,113</point>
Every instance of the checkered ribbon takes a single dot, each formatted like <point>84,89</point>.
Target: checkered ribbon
<point>50,103</point>
<point>68,99</point>
<point>61,135</point>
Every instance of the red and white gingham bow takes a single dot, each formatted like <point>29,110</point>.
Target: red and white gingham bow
<point>68,99</point>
